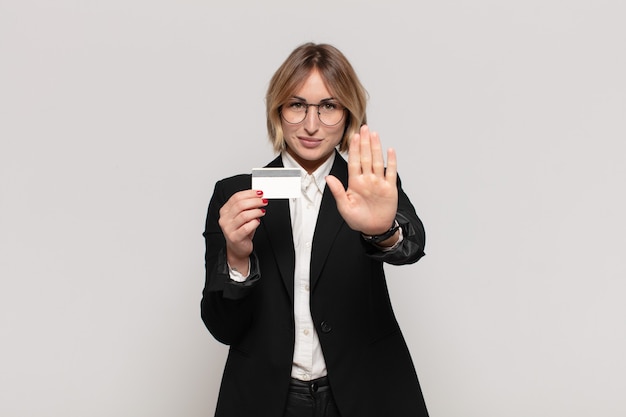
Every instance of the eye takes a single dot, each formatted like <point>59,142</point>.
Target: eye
<point>295,105</point>
<point>329,106</point>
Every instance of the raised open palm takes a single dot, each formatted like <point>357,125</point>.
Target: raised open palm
<point>370,202</point>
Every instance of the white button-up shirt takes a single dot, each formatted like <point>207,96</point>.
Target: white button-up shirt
<point>308,358</point>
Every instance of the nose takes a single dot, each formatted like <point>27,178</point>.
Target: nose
<point>312,120</point>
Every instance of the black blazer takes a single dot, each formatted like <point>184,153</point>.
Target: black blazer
<point>369,366</point>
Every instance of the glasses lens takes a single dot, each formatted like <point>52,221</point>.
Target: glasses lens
<point>330,114</point>
<point>294,112</point>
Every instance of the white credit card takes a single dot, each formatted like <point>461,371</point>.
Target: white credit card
<point>278,182</point>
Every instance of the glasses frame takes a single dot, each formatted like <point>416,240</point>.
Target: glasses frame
<point>319,115</point>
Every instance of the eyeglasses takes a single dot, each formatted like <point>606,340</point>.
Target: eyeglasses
<point>330,113</point>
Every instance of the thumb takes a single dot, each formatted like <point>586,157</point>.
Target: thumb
<point>336,187</point>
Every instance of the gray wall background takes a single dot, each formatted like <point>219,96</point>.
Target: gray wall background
<point>117,117</point>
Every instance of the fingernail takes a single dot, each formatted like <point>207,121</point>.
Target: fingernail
<point>263,211</point>
<point>265,201</point>
<point>259,192</point>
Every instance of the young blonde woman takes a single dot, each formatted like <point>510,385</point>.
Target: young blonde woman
<point>296,287</point>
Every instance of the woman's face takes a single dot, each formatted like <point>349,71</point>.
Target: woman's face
<point>311,142</point>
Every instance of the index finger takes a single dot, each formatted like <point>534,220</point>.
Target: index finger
<point>245,194</point>
<point>246,199</point>
<point>354,156</point>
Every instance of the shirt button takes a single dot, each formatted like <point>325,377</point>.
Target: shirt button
<point>306,287</point>
<point>309,206</point>
<point>306,332</point>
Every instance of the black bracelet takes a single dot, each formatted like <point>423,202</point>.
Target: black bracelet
<point>384,236</point>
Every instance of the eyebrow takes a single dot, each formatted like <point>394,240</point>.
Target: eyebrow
<point>321,101</point>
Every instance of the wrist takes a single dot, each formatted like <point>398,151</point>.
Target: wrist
<point>240,265</point>
<point>392,241</point>
<point>388,236</point>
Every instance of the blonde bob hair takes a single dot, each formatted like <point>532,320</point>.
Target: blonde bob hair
<point>338,75</point>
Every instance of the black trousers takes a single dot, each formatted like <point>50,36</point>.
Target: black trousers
<point>311,399</point>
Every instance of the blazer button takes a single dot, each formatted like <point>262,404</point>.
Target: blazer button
<point>326,327</point>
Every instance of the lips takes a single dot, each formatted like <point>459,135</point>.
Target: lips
<point>309,142</point>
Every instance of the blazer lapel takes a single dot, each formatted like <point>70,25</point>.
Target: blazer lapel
<point>329,221</point>
<point>278,220</point>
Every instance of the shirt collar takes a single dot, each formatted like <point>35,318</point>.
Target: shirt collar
<point>319,175</point>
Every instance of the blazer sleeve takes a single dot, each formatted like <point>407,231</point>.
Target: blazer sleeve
<point>226,307</point>
<point>411,249</point>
